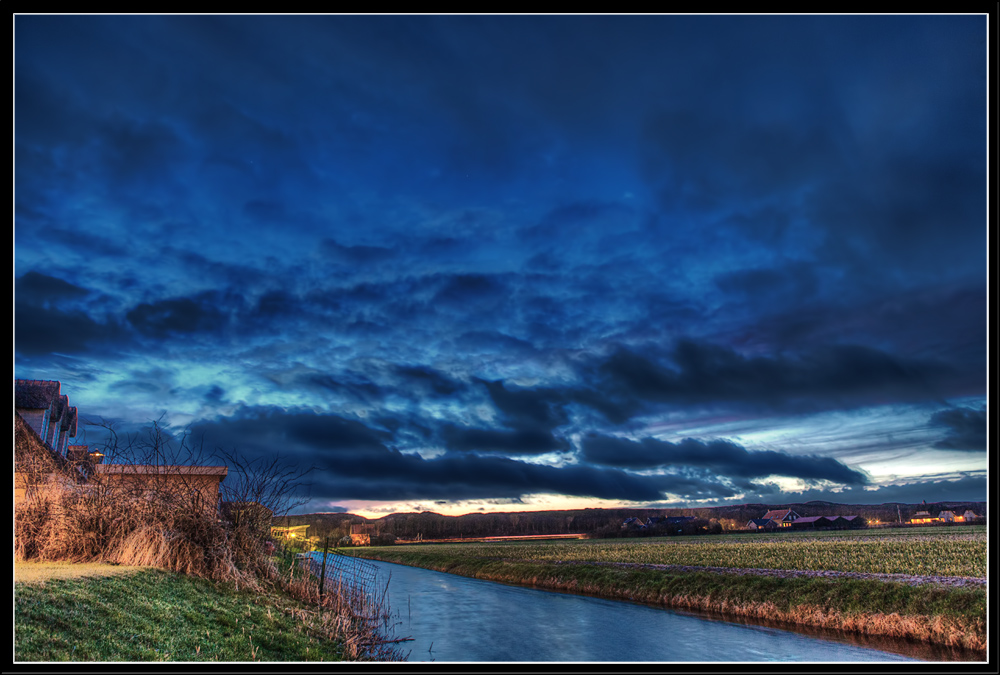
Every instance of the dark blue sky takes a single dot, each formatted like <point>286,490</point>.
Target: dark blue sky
<point>464,263</point>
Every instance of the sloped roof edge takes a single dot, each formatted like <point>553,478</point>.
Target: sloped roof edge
<point>162,469</point>
<point>35,394</point>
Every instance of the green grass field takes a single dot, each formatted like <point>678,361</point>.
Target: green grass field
<point>153,615</point>
<point>950,552</point>
<point>931,613</point>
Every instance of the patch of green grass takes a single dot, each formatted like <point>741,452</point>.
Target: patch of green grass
<point>153,615</point>
<point>920,551</point>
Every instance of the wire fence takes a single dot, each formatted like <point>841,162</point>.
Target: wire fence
<point>357,592</point>
<point>345,570</point>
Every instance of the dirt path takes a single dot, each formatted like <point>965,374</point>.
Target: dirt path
<point>912,580</point>
<point>38,572</point>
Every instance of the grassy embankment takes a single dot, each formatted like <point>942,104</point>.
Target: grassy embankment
<point>932,613</point>
<point>149,614</point>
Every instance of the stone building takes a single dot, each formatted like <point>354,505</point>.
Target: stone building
<point>194,486</point>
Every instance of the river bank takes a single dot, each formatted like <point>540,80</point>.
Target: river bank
<point>452,618</point>
<point>926,612</point>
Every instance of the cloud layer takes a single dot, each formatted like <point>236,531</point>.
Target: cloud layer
<point>454,258</point>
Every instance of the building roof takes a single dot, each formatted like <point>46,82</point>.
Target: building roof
<point>162,469</point>
<point>778,515</point>
<point>29,448</point>
<point>68,423</point>
<point>35,394</point>
<point>760,522</point>
<point>59,404</point>
<point>813,519</point>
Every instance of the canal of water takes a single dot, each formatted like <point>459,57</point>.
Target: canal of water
<point>458,619</point>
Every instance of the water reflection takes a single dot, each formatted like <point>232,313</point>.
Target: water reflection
<point>454,618</point>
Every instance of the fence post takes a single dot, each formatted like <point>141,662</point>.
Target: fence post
<point>322,574</point>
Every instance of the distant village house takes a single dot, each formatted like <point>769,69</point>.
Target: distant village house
<point>944,516</point>
<point>794,521</point>
<point>922,518</point>
<point>829,523</point>
<point>762,525</point>
<point>361,534</point>
<point>782,518</point>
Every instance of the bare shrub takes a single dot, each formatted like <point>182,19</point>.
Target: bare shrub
<point>256,491</point>
<point>81,529</point>
<point>153,509</point>
<point>33,518</point>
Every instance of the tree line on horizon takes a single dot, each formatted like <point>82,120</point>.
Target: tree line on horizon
<point>594,522</point>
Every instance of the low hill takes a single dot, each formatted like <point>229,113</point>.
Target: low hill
<point>431,525</point>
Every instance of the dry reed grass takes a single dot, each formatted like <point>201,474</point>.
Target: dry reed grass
<point>169,528</point>
<point>938,629</point>
<point>363,619</point>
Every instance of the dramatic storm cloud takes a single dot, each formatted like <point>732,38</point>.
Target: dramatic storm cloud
<point>506,259</point>
<point>723,457</point>
<point>966,428</point>
<point>355,463</point>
